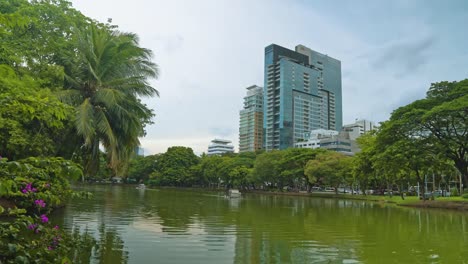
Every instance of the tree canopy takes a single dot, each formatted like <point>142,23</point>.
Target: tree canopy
<point>93,67</point>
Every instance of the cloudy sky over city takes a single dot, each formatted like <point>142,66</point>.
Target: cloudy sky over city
<point>209,51</point>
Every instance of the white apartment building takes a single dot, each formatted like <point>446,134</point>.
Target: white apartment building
<point>220,146</point>
<point>329,139</point>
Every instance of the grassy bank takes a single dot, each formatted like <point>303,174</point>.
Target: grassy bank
<point>453,203</point>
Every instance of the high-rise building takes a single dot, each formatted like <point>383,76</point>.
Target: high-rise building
<point>302,92</point>
<point>220,146</point>
<point>251,120</point>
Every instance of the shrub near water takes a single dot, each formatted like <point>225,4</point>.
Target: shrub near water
<point>29,190</point>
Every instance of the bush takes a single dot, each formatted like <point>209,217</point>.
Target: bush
<point>29,190</point>
<point>454,192</point>
<point>465,195</point>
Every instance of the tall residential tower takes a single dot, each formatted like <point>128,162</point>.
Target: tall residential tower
<point>302,93</point>
<point>251,120</point>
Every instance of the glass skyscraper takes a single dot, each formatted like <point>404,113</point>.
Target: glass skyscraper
<point>302,93</point>
<point>251,120</point>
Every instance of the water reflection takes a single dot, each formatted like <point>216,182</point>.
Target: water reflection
<point>110,247</point>
<point>169,226</point>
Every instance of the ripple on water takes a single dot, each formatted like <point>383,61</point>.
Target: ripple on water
<point>171,226</point>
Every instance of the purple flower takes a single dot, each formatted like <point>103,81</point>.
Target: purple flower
<point>56,227</point>
<point>50,248</point>
<point>32,226</point>
<point>40,203</point>
<point>44,218</point>
<point>29,188</point>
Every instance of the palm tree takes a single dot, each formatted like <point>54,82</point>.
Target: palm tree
<point>104,85</point>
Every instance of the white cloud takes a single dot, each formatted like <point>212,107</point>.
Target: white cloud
<point>209,51</point>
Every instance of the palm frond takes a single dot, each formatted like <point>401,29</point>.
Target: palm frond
<point>84,121</point>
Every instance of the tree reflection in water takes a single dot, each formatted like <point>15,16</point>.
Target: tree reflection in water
<point>110,247</point>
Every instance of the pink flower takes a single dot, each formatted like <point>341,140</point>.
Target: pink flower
<point>56,227</point>
<point>44,218</point>
<point>40,203</point>
<point>29,188</point>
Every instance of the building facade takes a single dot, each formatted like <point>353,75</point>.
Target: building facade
<point>300,95</point>
<point>331,140</point>
<point>358,128</point>
<point>251,120</point>
<point>220,146</point>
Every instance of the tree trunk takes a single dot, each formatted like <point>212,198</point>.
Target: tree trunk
<point>400,190</point>
<point>462,167</point>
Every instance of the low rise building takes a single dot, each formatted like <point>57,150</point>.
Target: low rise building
<point>358,128</point>
<point>331,140</point>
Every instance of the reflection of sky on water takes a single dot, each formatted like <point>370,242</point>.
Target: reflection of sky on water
<point>172,245</point>
<point>169,226</point>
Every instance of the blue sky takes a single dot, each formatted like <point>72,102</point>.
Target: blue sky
<point>209,51</point>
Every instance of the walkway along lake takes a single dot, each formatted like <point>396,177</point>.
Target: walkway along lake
<point>177,226</point>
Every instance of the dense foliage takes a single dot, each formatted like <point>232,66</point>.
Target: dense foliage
<point>50,50</point>
<point>424,139</point>
<point>33,121</point>
<point>276,170</point>
<point>68,85</point>
<point>29,190</point>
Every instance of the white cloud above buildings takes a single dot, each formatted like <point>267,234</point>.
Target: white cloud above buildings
<point>209,51</point>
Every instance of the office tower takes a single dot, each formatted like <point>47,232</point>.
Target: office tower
<point>251,120</point>
<point>220,146</point>
<point>302,92</point>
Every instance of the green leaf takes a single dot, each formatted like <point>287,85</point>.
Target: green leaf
<point>12,248</point>
<point>66,260</point>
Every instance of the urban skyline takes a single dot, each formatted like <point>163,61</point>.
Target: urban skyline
<point>204,67</point>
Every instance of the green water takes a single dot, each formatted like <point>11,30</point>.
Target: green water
<point>173,226</point>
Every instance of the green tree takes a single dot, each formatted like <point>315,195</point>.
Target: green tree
<point>174,167</point>
<point>104,86</point>
<point>425,133</point>
<point>141,167</point>
<point>208,171</point>
<point>292,164</point>
<point>363,165</point>
<point>400,148</point>
<point>266,170</point>
<point>444,114</point>
<point>32,120</point>
<point>333,168</point>
<point>235,171</point>
<point>39,38</point>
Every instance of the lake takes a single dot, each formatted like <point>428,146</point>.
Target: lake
<point>182,226</point>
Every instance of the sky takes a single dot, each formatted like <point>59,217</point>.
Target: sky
<point>209,51</point>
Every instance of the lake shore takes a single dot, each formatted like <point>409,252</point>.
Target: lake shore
<point>450,203</point>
